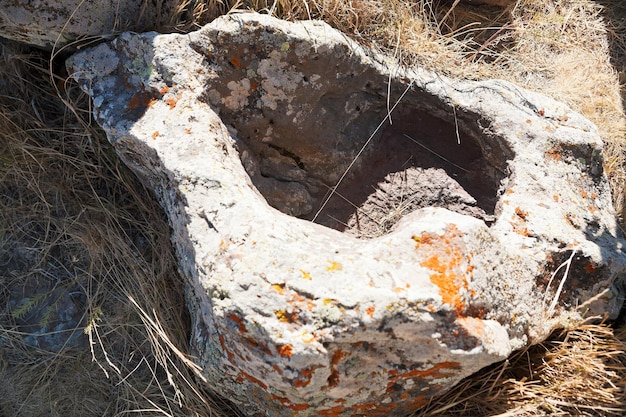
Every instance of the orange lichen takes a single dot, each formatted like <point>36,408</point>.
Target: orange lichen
<point>332,412</point>
<point>238,321</point>
<point>434,372</point>
<point>188,130</point>
<point>447,280</point>
<point>171,102</point>
<point>285,351</point>
<point>258,346</point>
<point>370,311</point>
<point>445,259</point>
<point>376,409</point>
<point>288,404</point>
<point>306,374</point>
<point>139,99</point>
<point>163,90</point>
<point>155,135</point>
<point>337,356</point>
<point>555,198</point>
<point>230,355</point>
<point>553,154</point>
<point>297,407</point>
<point>473,326</point>
<point>521,231</point>
<point>253,379</point>
<point>521,213</point>
<point>236,62</point>
<point>333,379</point>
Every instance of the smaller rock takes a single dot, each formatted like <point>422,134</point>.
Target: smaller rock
<point>55,24</point>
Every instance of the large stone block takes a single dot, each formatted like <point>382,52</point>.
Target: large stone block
<point>473,220</point>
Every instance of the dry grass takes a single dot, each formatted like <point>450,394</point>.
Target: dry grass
<point>75,223</point>
<point>574,373</point>
<point>80,234</point>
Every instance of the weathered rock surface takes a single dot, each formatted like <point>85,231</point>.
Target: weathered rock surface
<point>511,232</point>
<point>46,23</point>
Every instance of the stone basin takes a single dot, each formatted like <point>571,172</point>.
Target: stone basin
<point>356,237</point>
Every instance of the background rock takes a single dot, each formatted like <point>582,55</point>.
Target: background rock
<point>46,24</point>
<point>292,318</point>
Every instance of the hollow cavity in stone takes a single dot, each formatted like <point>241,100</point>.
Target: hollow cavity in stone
<point>417,161</point>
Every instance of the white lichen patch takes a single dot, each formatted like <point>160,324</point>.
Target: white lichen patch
<point>239,93</point>
<point>278,80</point>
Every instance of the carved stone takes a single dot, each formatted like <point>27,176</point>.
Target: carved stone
<point>505,230</point>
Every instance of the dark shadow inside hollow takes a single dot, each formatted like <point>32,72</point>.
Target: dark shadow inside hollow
<point>418,161</point>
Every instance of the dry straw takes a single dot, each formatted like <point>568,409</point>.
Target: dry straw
<point>72,217</point>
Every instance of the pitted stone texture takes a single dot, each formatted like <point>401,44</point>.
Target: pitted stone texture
<point>292,318</point>
<point>58,23</point>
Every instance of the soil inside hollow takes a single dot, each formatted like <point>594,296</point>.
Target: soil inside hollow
<point>418,161</point>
